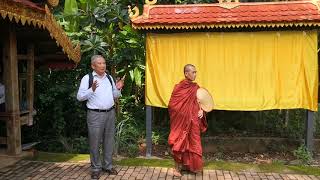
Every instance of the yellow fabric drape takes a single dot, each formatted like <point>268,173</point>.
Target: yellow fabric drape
<point>242,70</point>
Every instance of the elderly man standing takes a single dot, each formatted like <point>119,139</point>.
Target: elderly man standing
<point>100,113</point>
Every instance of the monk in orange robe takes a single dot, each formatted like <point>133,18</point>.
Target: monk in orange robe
<point>187,121</point>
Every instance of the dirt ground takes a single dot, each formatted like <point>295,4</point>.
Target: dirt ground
<point>163,151</point>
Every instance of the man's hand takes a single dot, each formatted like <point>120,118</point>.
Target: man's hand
<point>95,84</point>
<point>120,82</point>
<point>200,113</point>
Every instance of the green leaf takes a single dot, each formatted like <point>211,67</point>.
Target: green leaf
<point>92,3</point>
<point>137,76</point>
<point>102,19</point>
<point>124,32</point>
<point>132,41</point>
<point>131,75</point>
<point>87,28</point>
<point>127,28</point>
<point>70,7</point>
<point>83,1</point>
<point>70,13</point>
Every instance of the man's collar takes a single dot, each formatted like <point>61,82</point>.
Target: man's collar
<point>94,73</point>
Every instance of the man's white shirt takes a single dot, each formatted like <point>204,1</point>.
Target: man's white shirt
<point>104,95</point>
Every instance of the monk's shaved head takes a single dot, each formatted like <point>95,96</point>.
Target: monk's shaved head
<point>187,68</point>
<point>190,72</point>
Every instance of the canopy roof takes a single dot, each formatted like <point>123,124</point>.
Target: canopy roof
<point>25,11</point>
<point>228,15</point>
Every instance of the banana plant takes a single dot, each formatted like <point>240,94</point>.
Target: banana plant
<point>70,13</point>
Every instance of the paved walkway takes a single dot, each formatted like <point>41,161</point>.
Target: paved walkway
<point>42,170</point>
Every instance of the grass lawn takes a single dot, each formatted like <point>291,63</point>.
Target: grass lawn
<point>276,167</point>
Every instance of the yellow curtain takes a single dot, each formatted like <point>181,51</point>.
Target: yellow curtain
<point>242,70</point>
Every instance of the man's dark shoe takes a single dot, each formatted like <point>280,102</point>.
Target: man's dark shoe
<point>95,175</point>
<point>111,171</point>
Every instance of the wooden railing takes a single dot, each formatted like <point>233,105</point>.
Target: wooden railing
<point>24,117</point>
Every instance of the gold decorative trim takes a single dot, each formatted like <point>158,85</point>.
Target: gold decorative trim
<point>228,1</point>
<point>316,3</point>
<point>61,38</point>
<point>18,12</point>
<point>148,2</point>
<point>42,19</point>
<point>220,26</point>
<point>131,14</point>
<point>146,10</point>
<point>53,3</point>
<point>228,4</point>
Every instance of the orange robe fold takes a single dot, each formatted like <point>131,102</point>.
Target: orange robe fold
<point>185,126</point>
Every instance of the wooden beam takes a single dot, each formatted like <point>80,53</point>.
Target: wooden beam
<point>3,140</point>
<point>30,82</point>
<point>11,90</point>
<point>22,57</point>
<point>4,116</point>
<point>52,57</point>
